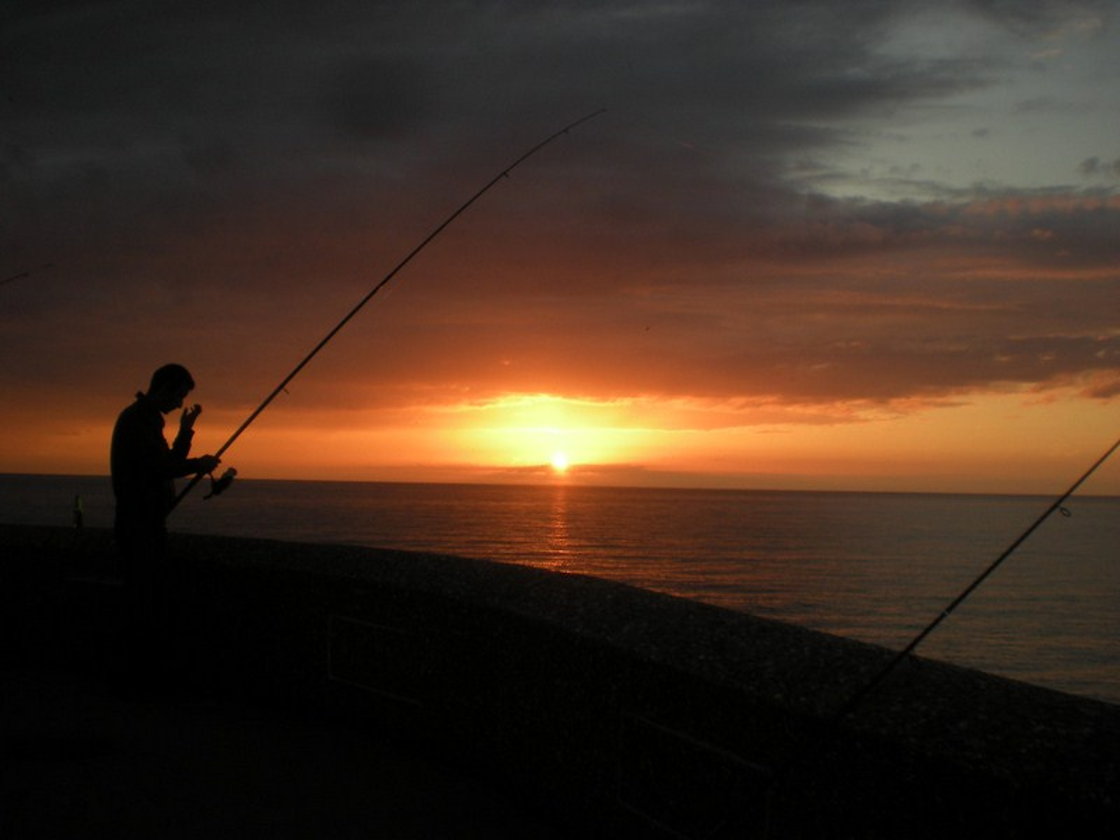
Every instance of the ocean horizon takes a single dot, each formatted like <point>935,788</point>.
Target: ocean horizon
<point>874,566</point>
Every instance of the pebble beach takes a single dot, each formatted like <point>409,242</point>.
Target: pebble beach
<point>540,673</point>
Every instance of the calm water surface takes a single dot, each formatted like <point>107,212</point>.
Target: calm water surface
<point>876,567</point>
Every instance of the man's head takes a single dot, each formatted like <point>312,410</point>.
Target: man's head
<point>169,387</point>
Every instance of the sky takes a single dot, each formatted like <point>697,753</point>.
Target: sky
<point>858,245</point>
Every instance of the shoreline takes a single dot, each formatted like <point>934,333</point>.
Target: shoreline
<point>565,679</point>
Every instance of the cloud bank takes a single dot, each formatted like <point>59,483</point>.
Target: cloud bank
<point>766,214</point>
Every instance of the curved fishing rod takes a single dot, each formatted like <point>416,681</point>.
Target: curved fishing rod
<point>408,258</point>
<point>23,274</point>
<point>857,698</point>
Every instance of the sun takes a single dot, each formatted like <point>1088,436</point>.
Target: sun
<point>557,436</point>
<point>559,461</point>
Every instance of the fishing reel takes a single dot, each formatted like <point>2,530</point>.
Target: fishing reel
<point>219,485</point>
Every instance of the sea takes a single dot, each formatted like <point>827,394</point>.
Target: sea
<point>878,567</point>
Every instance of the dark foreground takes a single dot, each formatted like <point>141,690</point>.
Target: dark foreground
<point>334,691</point>
<point>81,761</point>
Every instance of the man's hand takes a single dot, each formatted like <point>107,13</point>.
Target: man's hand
<point>187,418</point>
<point>208,463</point>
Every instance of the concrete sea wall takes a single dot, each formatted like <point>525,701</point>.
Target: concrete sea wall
<point>628,712</point>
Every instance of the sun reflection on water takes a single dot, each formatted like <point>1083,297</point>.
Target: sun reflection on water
<point>559,538</point>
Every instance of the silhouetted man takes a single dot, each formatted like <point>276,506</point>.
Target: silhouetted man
<point>143,469</point>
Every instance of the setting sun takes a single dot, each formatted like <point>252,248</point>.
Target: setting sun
<point>934,315</point>
<point>544,431</point>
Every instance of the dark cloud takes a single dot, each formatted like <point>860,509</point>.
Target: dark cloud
<point>218,177</point>
<point>379,98</point>
<point>1028,227</point>
<point>1094,167</point>
<point>1038,17</point>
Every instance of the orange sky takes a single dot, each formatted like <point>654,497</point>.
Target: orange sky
<point>780,259</point>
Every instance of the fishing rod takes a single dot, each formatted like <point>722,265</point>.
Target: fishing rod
<point>23,274</point>
<point>808,751</point>
<point>861,695</point>
<point>224,481</point>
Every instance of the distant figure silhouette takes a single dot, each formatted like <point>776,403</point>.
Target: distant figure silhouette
<point>143,468</point>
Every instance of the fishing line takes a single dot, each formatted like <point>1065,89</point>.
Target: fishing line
<point>408,258</point>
